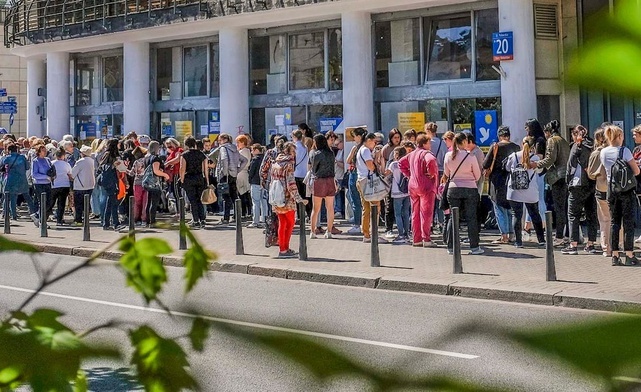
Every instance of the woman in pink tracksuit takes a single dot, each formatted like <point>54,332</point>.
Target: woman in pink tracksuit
<point>421,168</point>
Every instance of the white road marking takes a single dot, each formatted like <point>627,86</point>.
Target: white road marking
<point>253,325</point>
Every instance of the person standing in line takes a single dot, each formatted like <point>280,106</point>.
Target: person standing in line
<point>242,182</point>
<point>140,193</point>
<point>400,196</point>
<point>365,166</point>
<point>107,170</point>
<point>258,194</point>
<point>636,153</point>
<point>42,182</point>
<point>300,168</point>
<point>154,195</point>
<point>387,155</point>
<point>338,147</point>
<point>227,166</point>
<point>438,149</point>
<point>463,173</point>
<point>16,167</point>
<point>354,197</point>
<point>421,167</point>
<point>324,184</point>
<point>621,203</point>
<point>84,181</point>
<point>193,176</point>
<point>282,169</point>
<point>61,184</point>
<point>535,130</point>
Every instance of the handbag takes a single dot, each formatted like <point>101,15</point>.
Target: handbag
<point>444,204</point>
<point>208,196</point>
<point>223,186</point>
<point>488,172</point>
<point>374,187</point>
<point>51,172</point>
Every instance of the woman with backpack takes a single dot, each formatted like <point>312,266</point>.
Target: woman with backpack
<point>153,192</point>
<point>421,168</point>
<point>41,173</point>
<point>285,203</point>
<point>324,184</point>
<point>620,165</point>
<point>107,178</point>
<point>193,176</point>
<point>523,188</point>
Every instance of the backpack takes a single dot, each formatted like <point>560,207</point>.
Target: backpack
<point>520,178</point>
<point>621,177</point>
<point>403,184</point>
<point>107,178</point>
<point>277,193</point>
<point>150,181</point>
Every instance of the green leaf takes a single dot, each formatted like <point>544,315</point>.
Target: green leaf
<point>161,363</point>
<point>81,384</point>
<point>605,348</point>
<point>143,266</point>
<point>198,334</point>
<point>7,245</point>
<point>197,260</point>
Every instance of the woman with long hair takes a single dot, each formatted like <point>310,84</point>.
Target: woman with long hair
<point>528,196</point>
<point>387,155</point>
<point>193,176</point>
<point>154,195</point>
<point>463,172</point>
<point>365,166</point>
<point>596,171</point>
<point>107,170</point>
<point>354,197</point>
<point>242,180</point>
<point>322,168</point>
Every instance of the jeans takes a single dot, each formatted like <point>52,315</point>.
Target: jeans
<point>339,202</point>
<point>194,189</point>
<point>39,190</point>
<point>259,204</point>
<point>533,210</point>
<point>14,204</point>
<point>560,198</point>
<point>622,208</point>
<point>580,199</point>
<point>59,196</point>
<point>153,200</point>
<point>503,219</point>
<point>422,216</point>
<point>110,213</point>
<point>355,198</point>
<point>98,200</point>
<point>468,200</point>
<point>230,198</point>
<point>402,215</point>
<point>79,204</point>
<point>286,223</point>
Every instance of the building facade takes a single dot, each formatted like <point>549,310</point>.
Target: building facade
<point>13,78</point>
<point>177,67</point>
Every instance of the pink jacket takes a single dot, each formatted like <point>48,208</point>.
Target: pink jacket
<point>421,168</point>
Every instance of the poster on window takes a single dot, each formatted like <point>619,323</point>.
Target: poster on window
<point>415,121</point>
<point>183,129</point>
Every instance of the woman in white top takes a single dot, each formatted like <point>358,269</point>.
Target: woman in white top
<point>364,162</point>
<point>520,161</point>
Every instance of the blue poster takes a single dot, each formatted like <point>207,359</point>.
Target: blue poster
<point>288,116</point>
<point>485,126</point>
<point>215,116</point>
<point>167,130</point>
<point>88,130</point>
<point>329,124</point>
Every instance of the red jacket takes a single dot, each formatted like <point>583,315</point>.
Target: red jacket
<point>421,168</point>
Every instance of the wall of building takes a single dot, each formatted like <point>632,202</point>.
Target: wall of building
<point>13,77</point>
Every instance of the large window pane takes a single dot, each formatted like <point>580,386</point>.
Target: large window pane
<point>397,53</point>
<point>307,61</point>
<point>317,112</point>
<point>195,71</point>
<point>463,109</point>
<point>268,63</point>
<point>215,70</point>
<point>164,73</point>
<point>85,72</point>
<point>450,49</point>
<point>258,64</point>
<point>487,22</point>
<point>335,59</point>
<point>112,78</point>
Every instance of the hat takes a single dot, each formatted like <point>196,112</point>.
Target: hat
<point>85,150</point>
<point>144,139</point>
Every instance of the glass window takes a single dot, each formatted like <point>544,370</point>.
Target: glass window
<point>335,59</point>
<point>85,73</point>
<point>397,53</point>
<point>307,61</point>
<point>195,71</point>
<point>268,64</point>
<point>164,73</point>
<point>463,109</point>
<point>450,48</point>
<point>548,108</point>
<point>316,112</point>
<point>112,78</point>
<point>487,22</point>
<point>215,70</point>
<point>258,64</point>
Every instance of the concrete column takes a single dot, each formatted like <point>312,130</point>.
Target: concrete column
<point>36,73</point>
<point>518,91</point>
<point>358,70</point>
<point>136,87</point>
<point>234,81</point>
<point>58,95</point>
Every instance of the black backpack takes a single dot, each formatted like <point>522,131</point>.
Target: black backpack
<point>107,178</point>
<point>621,176</point>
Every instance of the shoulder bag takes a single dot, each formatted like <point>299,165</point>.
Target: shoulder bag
<point>495,149</point>
<point>445,204</point>
<point>374,187</point>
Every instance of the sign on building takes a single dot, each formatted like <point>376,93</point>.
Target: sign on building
<point>503,46</point>
<point>486,127</point>
<point>408,121</point>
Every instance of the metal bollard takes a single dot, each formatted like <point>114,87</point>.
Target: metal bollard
<point>302,244</point>
<point>7,213</point>
<point>86,232</point>
<point>132,224</point>
<point>456,240</point>
<point>43,215</point>
<point>550,267</point>
<point>240,247</point>
<point>182,239</point>
<point>375,257</point>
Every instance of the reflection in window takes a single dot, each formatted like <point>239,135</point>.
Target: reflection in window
<point>463,109</point>
<point>85,71</point>
<point>112,78</point>
<point>164,73</point>
<point>335,59</point>
<point>195,71</point>
<point>268,63</point>
<point>487,22</point>
<point>215,70</point>
<point>397,53</point>
<point>316,112</point>
<point>450,49</point>
<point>307,61</point>
<point>258,64</point>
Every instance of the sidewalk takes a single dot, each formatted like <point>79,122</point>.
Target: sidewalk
<point>502,273</point>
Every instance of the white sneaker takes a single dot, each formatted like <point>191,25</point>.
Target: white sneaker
<point>638,239</point>
<point>354,230</point>
<point>34,218</point>
<point>429,244</point>
<point>328,235</point>
<point>477,251</point>
<point>312,235</point>
<point>390,234</point>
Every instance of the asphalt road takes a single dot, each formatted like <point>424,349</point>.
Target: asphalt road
<point>386,330</point>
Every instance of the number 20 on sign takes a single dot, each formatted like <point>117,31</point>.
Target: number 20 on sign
<point>503,46</point>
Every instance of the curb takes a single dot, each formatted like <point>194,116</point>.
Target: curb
<point>375,281</point>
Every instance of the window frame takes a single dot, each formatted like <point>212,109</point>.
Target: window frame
<point>103,87</point>
<point>207,70</point>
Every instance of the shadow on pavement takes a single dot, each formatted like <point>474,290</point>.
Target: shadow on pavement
<point>108,379</point>
<point>575,281</point>
<point>510,255</point>
<point>395,267</point>
<point>326,260</point>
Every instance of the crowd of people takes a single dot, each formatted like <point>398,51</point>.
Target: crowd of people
<point>414,179</point>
